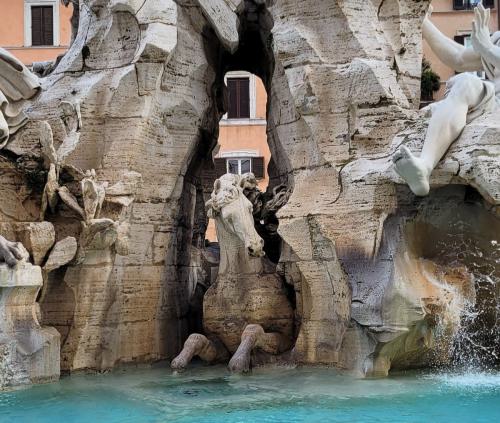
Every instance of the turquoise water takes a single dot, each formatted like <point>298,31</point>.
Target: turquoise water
<point>208,394</point>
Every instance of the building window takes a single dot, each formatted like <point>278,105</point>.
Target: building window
<point>239,98</point>
<point>240,165</point>
<point>470,4</point>
<point>41,23</point>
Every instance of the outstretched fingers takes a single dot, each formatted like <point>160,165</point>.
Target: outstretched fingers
<point>481,12</point>
<point>477,17</point>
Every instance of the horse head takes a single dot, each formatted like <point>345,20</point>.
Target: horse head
<point>231,209</point>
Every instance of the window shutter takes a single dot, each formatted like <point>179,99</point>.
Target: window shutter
<point>36,26</point>
<point>220,167</point>
<point>42,26</point>
<point>48,25</point>
<point>244,98</point>
<point>232,85</point>
<point>258,167</point>
<point>239,98</point>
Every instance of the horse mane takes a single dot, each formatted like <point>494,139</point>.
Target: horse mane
<point>226,190</point>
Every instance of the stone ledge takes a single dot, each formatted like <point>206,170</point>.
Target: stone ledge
<point>22,275</point>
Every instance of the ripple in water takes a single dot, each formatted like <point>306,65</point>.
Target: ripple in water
<point>212,395</point>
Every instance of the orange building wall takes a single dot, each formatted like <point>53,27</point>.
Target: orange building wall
<point>246,137</point>
<point>12,33</point>
<point>261,99</point>
<point>451,22</point>
<point>249,137</point>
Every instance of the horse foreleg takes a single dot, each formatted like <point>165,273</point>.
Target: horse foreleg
<point>199,345</point>
<point>252,337</point>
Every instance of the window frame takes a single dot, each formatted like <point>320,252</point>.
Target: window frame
<point>467,6</point>
<point>28,4</point>
<point>239,159</point>
<point>252,83</point>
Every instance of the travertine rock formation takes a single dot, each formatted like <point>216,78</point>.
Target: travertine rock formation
<point>29,353</point>
<point>138,98</point>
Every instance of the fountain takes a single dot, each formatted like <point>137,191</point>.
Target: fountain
<point>360,280</point>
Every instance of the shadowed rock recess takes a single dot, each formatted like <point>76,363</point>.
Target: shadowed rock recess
<point>117,154</point>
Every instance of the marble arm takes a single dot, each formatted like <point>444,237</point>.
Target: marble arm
<point>492,55</point>
<point>452,54</point>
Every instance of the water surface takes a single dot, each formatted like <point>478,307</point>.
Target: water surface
<point>210,394</point>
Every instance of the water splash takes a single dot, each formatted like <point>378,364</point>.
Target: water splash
<point>469,381</point>
<point>476,341</point>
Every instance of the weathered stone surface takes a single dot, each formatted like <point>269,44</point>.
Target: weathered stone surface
<point>343,82</point>
<point>29,353</point>
<point>221,15</point>
<point>63,252</point>
<point>37,237</point>
<point>471,160</point>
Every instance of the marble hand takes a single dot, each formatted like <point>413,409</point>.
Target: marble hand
<point>9,252</point>
<point>481,40</point>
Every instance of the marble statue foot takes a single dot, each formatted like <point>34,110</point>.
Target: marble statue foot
<point>254,336</point>
<point>240,361</point>
<point>196,344</point>
<point>10,252</point>
<point>413,170</point>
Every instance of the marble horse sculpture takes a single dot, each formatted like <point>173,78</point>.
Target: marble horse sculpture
<point>467,96</point>
<point>247,307</point>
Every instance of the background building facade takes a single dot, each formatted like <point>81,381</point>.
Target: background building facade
<point>35,30</point>
<point>454,18</point>
<point>242,132</point>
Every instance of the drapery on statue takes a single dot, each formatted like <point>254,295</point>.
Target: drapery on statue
<point>467,96</point>
<point>247,307</point>
<point>17,84</point>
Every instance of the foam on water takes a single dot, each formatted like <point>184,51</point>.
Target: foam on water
<point>470,380</point>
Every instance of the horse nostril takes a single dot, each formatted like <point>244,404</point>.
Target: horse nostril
<point>250,250</point>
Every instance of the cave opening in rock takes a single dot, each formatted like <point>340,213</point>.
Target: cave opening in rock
<point>242,141</point>
<point>233,139</point>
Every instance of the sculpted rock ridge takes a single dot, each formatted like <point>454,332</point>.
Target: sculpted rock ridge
<point>106,184</point>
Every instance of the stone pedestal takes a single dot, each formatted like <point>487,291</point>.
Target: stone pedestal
<point>29,353</point>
